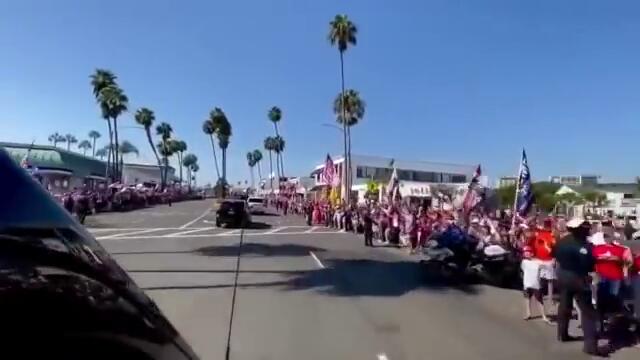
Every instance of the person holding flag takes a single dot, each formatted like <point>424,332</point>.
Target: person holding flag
<point>524,197</point>
<point>472,197</point>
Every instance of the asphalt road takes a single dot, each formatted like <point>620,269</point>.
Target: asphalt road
<point>313,293</point>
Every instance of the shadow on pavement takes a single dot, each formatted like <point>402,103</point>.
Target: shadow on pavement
<point>259,226</point>
<point>142,271</point>
<point>257,249</point>
<point>268,214</point>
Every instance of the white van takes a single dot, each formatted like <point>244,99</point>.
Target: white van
<point>257,205</point>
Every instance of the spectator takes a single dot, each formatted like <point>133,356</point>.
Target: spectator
<point>531,284</point>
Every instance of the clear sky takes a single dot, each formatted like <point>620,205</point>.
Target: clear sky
<point>462,81</point>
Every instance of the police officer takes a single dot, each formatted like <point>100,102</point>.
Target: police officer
<point>575,260</point>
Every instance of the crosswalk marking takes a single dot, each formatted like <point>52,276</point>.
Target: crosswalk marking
<point>277,229</point>
<point>311,230</point>
<point>130,233</point>
<point>223,234</point>
<point>191,231</point>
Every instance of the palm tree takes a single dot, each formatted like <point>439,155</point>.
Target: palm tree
<point>194,169</point>
<point>56,138</point>
<point>188,161</point>
<point>101,153</point>
<point>114,103</point>
<point>178,147</point>
<point>222,128</point>
<point>146,118</point>
<point>353,111</point>
<point>342,32</point>
<point>126,148</point>
<point>100,80</point>
<point>84,145</point>
<point>257,156</point>
<point>251,162</point>
<point>70,139</point>
<point>94,135</point>
<point>269,145</point>
<point>164,130</point>
<point>209,129</point>
<point>278,144</point>
<point>275,115</point>
<point>165,151</point>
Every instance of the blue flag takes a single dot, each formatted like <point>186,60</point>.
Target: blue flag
<point>524,196</point>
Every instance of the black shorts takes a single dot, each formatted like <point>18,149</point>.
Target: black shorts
<point>536,293</point>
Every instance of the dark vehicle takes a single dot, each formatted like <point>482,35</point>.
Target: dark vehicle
<point>233,213</point>
<point>61,294</point>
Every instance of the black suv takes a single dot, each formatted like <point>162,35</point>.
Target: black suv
<point>234,213</point>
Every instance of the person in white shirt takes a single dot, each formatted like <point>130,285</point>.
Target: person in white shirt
<point>531,284</point>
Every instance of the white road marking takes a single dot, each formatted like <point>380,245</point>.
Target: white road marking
<point>316,259</point>
<point>277,229</point>
<point>181,233</point>
<point>208,221</point>
<point>382,356</point>
<point>196,219</point>
<point>138,232</point>
<point>229,233</point>
<point>311,230</point>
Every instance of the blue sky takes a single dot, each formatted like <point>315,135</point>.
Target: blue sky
<point>461,81</point>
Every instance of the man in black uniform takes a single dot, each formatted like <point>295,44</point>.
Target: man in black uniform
<point>368,227</point>
<point>575,261</point>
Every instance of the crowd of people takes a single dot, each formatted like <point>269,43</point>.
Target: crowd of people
<point>575,264</point>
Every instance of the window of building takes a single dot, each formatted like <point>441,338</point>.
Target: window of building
<point>426,176</point>
<point>627,196</point>
<point>360,172</point>
<point>457,179</point>
<point>405,175</point>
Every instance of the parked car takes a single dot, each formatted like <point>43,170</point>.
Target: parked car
<point>234,213</point>
<point>257,205</point>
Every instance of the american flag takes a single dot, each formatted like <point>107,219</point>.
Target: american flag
<point>393,188</point>
<point>472,197</point>
<point>524,195</point>
<point>329,172</point>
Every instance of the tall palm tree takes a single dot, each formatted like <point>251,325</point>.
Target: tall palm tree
<point>188,161</point>
<point>251,163</point>
<point>84,145</point>
<point>100,80</point>
<point>278,148</point>
<point>257,156</point>
<point>101,153</point>
<point>353,111</point>
<point>209,128</point>
<point>165,151</point>
<point>115,103</point>
<point>342,32</point>
<point>70,139</point>
<point>275,115</point>
<point>56,138</point>
<point>94,135</point>
<point>164,130</point>
<point>178,147</point>
<point>269,145</point>
<point>145,117</point>
<point>224,136</point>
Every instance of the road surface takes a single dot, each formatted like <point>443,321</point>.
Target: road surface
<point>312,293</point>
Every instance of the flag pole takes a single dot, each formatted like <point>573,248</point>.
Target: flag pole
<point>515,198</point>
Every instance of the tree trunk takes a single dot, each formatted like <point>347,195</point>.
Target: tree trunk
<point>110,152</point>
<point>116,148</point>
<point>180,165</point>
<point>68,146</point>
<point>189,179</point>
<point>224,173</point>
<point>350,181</point>
<point>345,177</point>
<point>93,154</point>
<point>271,170</point>
<point>84,151</point>
<point>215,158</point>
<point>260,170</point>
<point>253,182</point>
<point>282,164</point>
<point>155,153</point>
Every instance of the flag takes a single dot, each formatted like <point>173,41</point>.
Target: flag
<point>328,174</point>
<point>472,196</point>
<point>393,186</point>
<point>524,192</point>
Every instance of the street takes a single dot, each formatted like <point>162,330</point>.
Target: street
<point>312,293</point>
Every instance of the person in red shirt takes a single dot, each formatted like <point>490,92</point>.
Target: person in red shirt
<point>610,264</point>
<point>635,282</point>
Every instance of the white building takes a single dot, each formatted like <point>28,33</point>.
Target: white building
<point>417,178</point>
<point>621,198</point>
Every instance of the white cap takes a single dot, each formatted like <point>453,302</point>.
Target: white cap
<point>575,222</point>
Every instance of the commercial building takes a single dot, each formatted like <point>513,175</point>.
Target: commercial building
<point>60,170</point>
<point>507,181</point>
<point>619,199</point>
<point>417,178</point>
<point>586,180</point>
